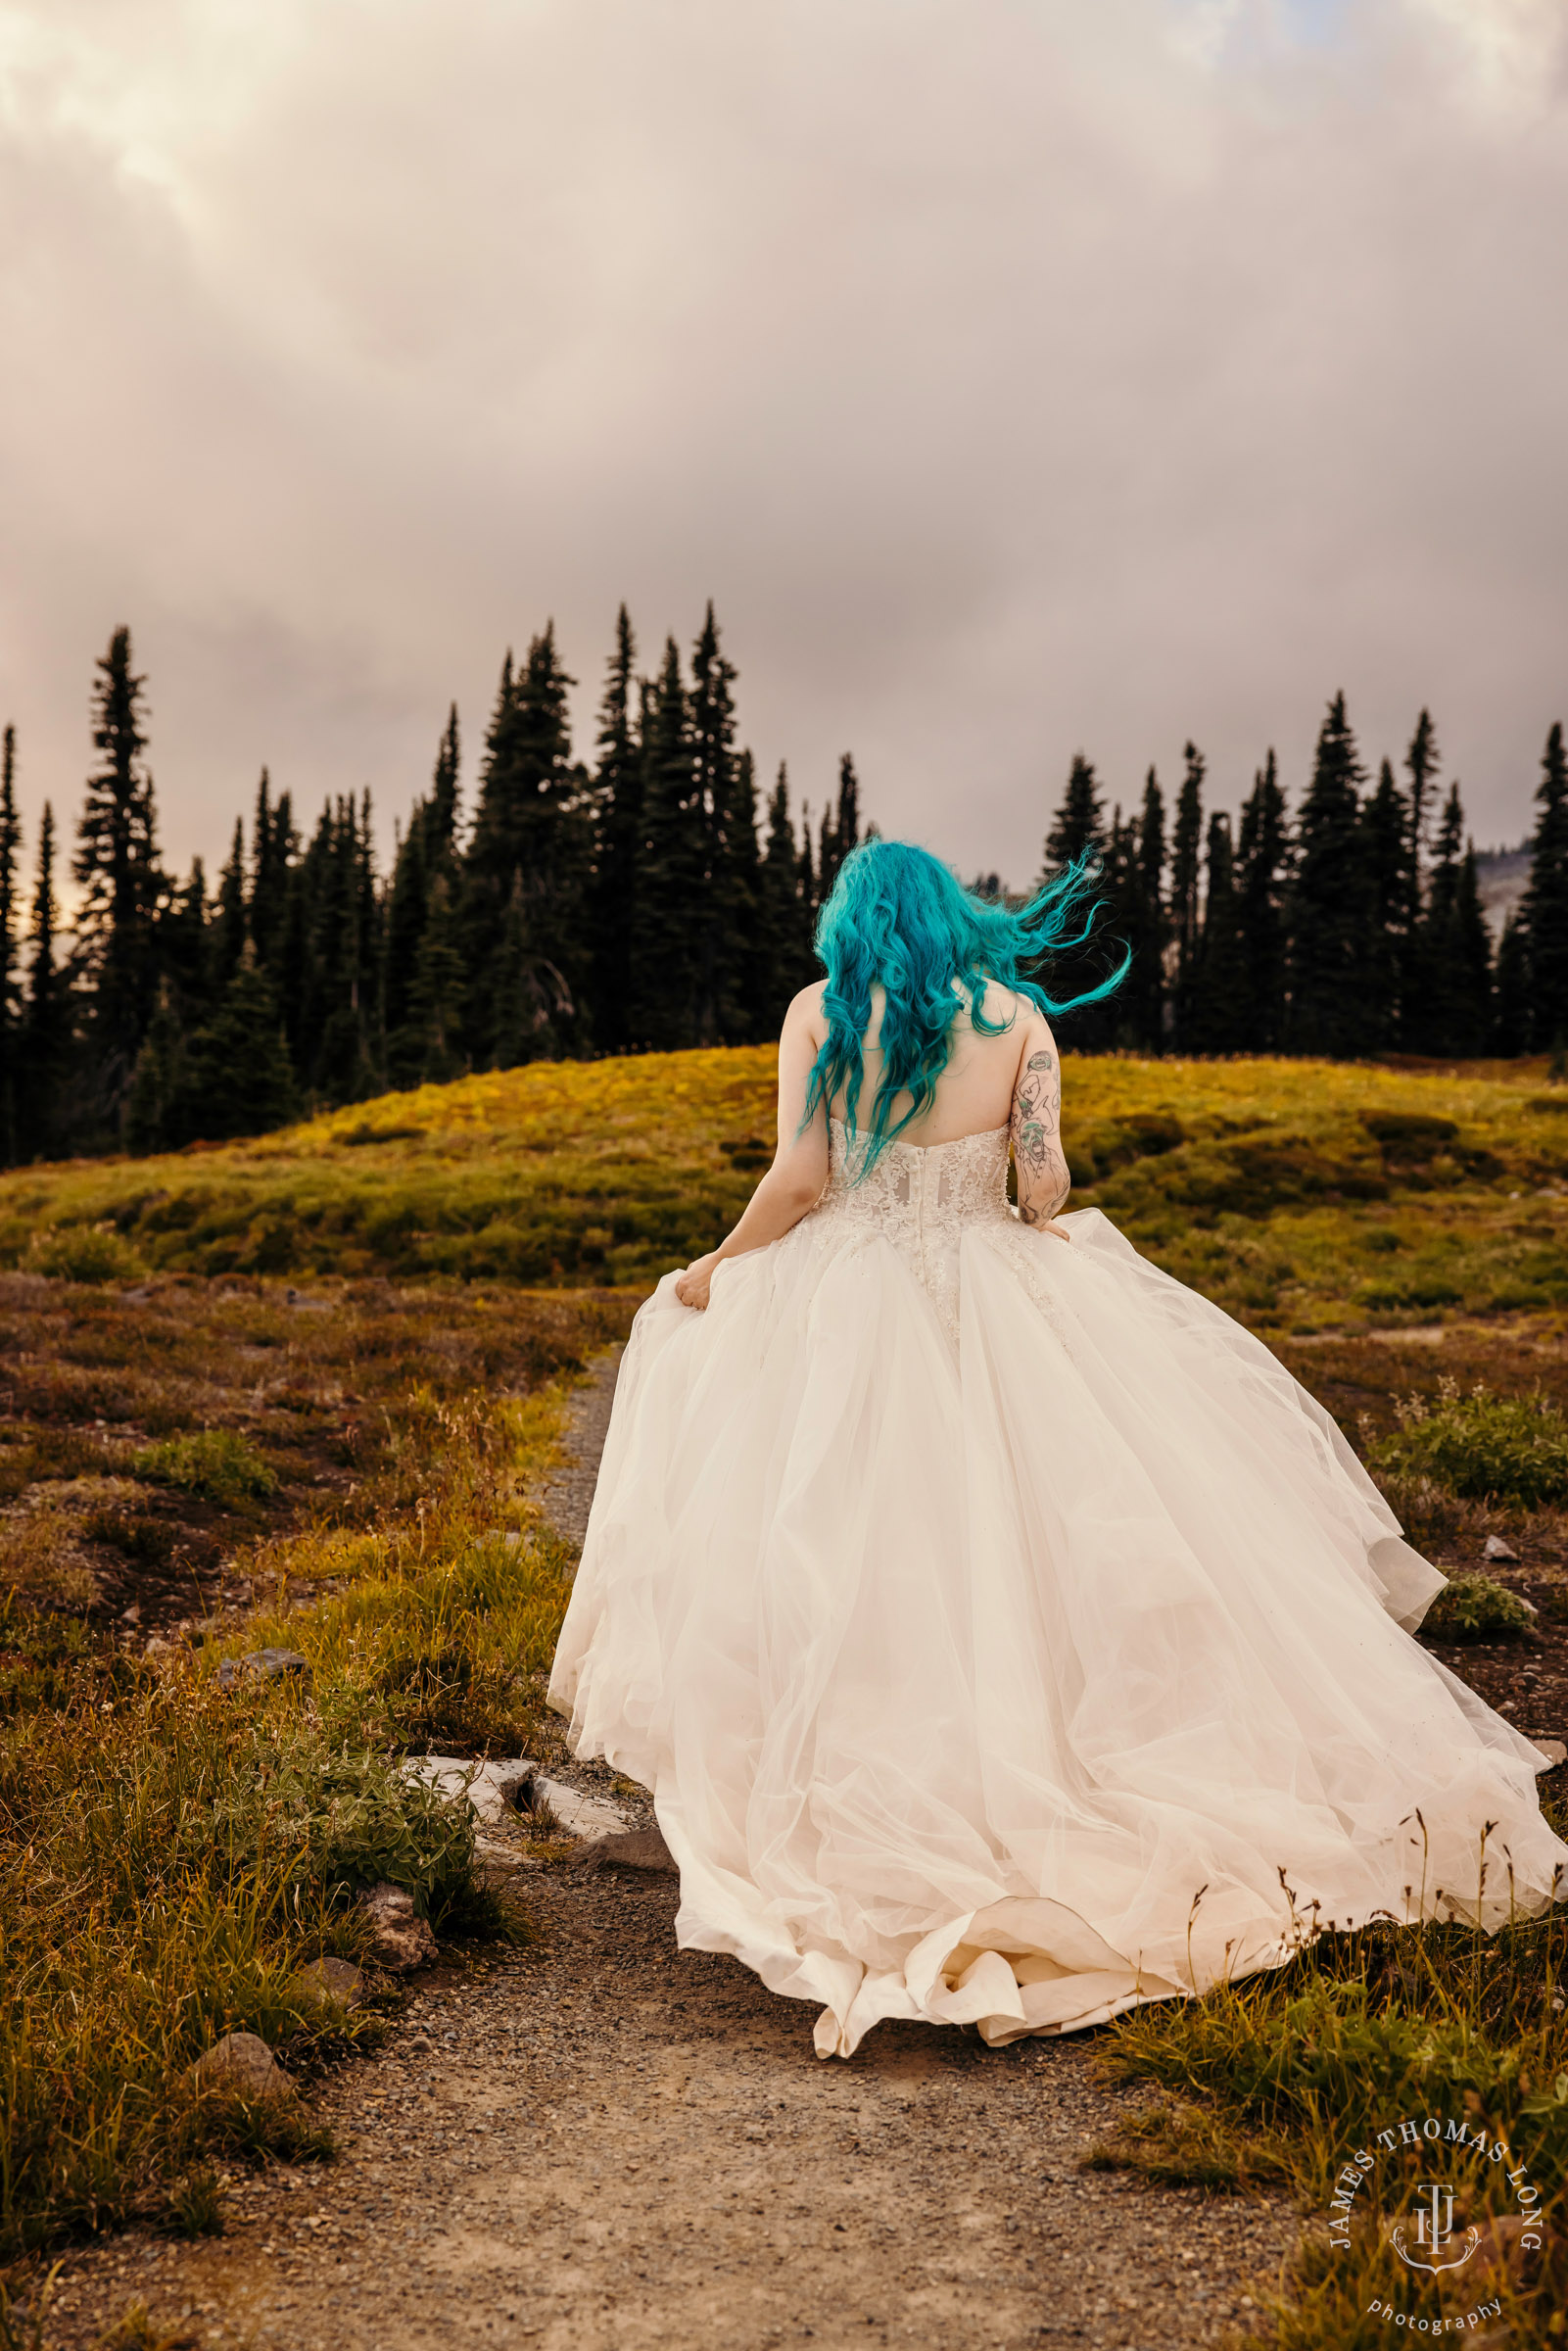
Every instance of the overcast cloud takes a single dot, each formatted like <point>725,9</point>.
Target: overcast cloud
<point>1016,375</point>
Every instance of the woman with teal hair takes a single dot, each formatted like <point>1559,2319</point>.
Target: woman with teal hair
<point>1003,1634</point>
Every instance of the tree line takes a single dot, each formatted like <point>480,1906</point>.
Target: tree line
<point>643,902</point>
<point>651,898</point>
<point>1351,931</point>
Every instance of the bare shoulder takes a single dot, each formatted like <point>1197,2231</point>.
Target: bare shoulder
<point>806,1009</point>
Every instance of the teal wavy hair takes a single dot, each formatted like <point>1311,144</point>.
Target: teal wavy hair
<point>899,916</point>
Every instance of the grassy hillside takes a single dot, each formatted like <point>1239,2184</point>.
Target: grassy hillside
<point>1296,1193</point>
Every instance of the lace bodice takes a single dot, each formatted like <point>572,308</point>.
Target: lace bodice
<point>921,1198</point>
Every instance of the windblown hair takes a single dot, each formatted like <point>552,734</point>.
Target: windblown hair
<point>899,916</point>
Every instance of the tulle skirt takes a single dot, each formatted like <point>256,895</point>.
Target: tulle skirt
<point>1007,1664</point>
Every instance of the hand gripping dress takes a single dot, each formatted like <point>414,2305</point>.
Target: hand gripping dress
<point>1004,1635</point>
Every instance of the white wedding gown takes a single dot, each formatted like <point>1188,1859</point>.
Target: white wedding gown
<point>1004,1635</point>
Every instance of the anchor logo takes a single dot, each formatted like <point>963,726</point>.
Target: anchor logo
<point>1435,2234</point>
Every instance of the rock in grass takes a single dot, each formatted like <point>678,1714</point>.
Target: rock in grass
<point>399,1939</point>
<point>492,1789</point>
<point>577,1814</point>
<point>264,1666</point>
<point>638,1849</point>
<point>241,2061</point>
<point>330,1980</point>
<point>1554,1749</point>
<point>1496,1549</point>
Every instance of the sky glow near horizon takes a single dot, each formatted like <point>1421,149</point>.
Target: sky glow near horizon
<point>1016,375</point>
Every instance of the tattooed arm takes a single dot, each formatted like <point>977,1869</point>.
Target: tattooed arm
<point>1036,1124</point>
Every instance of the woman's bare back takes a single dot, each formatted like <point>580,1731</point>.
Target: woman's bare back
<point>975,1092</point>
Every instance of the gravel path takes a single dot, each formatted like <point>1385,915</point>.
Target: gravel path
<point>601,2143</point>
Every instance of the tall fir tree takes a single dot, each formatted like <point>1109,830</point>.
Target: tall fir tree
<point>840,828</point>
<point>231,927</point>
<point>1263,860</point>
<point>726,910</point>
<point>1330,905</point>
<point>1078,828</point>
<point>1142,1001</point>
<point>528,869</point>
<point>424,981</point>
<point>47,1023</point>
<point>1077,831</point>
<point>1455,1016</point>
<point>1423,763</point>
<point>1186,901</point>
<point>9,997</point>
<point>1220,986</point>
<point>1543,914</point>
<point>1510,1006</point>
<point>116,868</point>
<point>274,845</point>
<point>786,963</point>
<point>1393,895</point>
<point>618,809</point>
<point>666,957</point>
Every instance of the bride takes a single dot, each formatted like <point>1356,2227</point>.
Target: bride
<point>1005,1637</point>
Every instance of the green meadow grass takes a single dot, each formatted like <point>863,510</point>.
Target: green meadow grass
<point>1297,1194</point>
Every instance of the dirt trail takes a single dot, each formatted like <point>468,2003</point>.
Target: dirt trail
<point>602,2144</point>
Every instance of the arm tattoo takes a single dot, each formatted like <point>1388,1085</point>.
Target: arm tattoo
<point>1043,1179</point>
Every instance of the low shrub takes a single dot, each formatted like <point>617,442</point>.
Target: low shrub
<point>216,1464</point>
<point>1475,1607</point>
<point>1509,1448</point>
<point>1279,2080</point>
<point>89,1253</point>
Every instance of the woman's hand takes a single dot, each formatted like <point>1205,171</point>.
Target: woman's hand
<point>692,1287</point>
<point>1061,1232</point>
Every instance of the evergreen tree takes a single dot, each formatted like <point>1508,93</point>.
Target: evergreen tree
<point>439,983</point>
<point>672,872</point>
<point>116,866</point>
<point>1330,909</point>
<point>1512,995</point>
<point>841,829</point>
<point>1262,878</point>
<point>618,797</point>
<point>1142,1001</point>
<point>47,1019</point>
<point>185,944</point>
<point>784,961</point>
<point>231,925</point>
<point>528,872</point>
<point>1392,891</point>
<point>421,997</point>
<point>1417,979</point>
<point>806,884</point>
<point>242,1081</point>
<point>726,910</point>
<point>10,1004</point>
<point>1473,957</point>
<point>1543,914</point>
<point>1220,985</point>
<point>1422,763</point>
<point>274,845</point>
<point>1186,914</point>
<point>1078,828</point>
<point>1455,1015</point>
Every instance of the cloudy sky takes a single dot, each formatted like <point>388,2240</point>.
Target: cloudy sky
<point>1016,375</point>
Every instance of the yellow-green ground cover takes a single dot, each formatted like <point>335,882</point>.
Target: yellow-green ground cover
<point>199,1469</point>
<point>188,1430</point>
<point>1298,1194</point>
